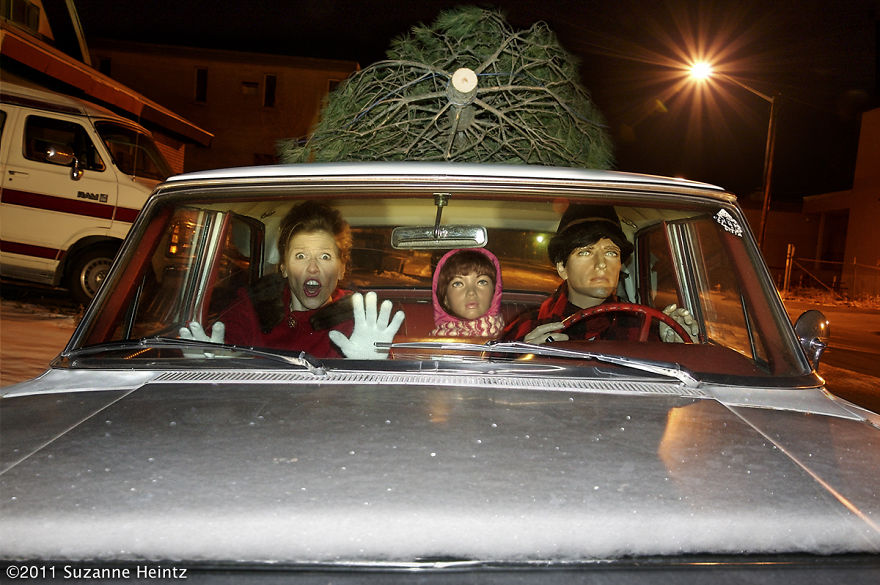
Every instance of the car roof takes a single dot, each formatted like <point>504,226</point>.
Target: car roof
<point>477,171</point>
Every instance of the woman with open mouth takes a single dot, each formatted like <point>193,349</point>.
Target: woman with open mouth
<point>302,307</point>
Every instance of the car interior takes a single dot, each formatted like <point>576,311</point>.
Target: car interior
<point>206,250</point>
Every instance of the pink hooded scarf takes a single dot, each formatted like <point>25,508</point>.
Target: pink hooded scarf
<point>489,325</point>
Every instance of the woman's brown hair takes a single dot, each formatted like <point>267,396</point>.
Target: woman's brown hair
<point>313,216</point>
<point>463,263</point>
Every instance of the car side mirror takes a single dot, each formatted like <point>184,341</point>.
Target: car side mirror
<point>55,154</point>
<point>813,331</point>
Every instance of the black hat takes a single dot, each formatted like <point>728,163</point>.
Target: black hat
<point>579,213</point>
<point>582,225</point>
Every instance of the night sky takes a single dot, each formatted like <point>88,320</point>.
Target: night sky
<point>821,56</point>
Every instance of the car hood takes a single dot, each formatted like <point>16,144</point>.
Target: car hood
<point>271,470</point>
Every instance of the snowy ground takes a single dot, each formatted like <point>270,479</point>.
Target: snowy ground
<point>30,337</point>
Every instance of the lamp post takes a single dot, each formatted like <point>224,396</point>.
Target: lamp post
<point>702,71</point>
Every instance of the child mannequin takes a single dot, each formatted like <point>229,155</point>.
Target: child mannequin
<point>467,294</point>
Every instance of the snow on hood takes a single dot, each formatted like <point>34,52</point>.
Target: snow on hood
<point>310,473</point>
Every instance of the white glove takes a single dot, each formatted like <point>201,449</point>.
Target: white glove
<point>684,318</point>
<point>197,333</point>
<point>368,328</point>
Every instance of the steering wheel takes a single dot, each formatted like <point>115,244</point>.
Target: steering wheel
<point>647,313</point>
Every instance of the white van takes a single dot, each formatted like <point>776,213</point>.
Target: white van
<point>75,175</point>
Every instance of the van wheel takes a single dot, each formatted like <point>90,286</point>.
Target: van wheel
<point>88,270</point>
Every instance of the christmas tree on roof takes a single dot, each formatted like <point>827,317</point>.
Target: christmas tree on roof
<point>468,88</point>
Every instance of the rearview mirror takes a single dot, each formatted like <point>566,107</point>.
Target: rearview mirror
<point>431,237</point>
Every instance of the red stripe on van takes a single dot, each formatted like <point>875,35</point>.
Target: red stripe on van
<point>126,214</point>
<point>29,250</point>
<point>52,203</point>
<point>64,205</point>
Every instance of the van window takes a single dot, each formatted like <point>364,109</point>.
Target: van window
<point>133,152</point>
<point>40,133</point>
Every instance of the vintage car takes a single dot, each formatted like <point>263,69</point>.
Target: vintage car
<point>150,447</point>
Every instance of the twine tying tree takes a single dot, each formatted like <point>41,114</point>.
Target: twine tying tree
<point>467,89</point>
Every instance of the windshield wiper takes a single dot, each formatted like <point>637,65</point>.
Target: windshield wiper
<point>669,369</point>
<point>305,360</point>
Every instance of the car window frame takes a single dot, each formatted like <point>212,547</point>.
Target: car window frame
<point>214,196</point>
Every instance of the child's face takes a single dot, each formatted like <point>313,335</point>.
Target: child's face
<point>468,296</point>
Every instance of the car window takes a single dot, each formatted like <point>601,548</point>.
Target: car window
<point>723,303</point>
<point>41,133</point>
<point>202,258</point>
<point>686,264</point>
<point>660,285</point>
<point>524,263</point>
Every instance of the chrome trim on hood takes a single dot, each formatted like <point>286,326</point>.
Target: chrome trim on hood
<point>470,380</point>
<point>809,400</point>
<point>70,380</point>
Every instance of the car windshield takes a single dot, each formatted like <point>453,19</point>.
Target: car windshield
<point>133,152</point>
<point>202,250</point>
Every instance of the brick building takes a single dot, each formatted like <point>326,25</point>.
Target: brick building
<point>47,49</point>
<point>248,101</point>
<point>848,232</point>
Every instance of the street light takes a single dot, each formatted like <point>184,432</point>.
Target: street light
<point>702,71</point>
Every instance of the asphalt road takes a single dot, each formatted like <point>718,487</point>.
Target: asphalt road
<point>855,335</point>
<point>36,322</point>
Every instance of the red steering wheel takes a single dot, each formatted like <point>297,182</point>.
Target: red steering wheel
<point>647,313</point>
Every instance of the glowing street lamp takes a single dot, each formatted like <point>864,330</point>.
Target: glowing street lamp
<point>703,71</point>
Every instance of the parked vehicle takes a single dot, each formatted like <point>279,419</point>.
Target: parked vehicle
<point>461,458</point>
<point>75,175</point>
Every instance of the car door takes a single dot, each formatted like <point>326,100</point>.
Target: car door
<point>45,205</point>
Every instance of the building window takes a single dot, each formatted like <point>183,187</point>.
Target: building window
<point>21,12</point>
<point>269,84</point>
<point>201,93</point>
